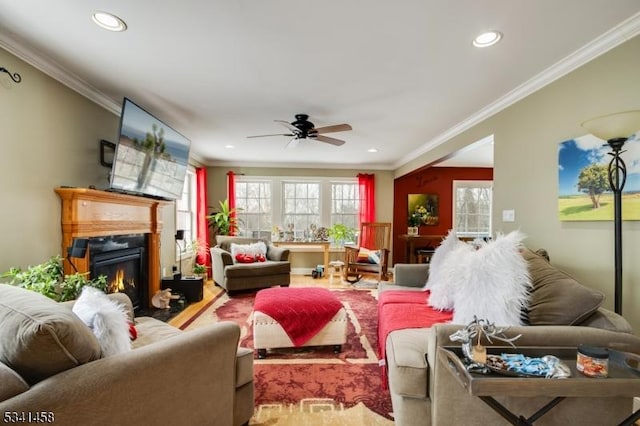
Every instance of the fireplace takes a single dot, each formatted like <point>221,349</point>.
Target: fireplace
<point>100,215</point>
<point>122,259</point>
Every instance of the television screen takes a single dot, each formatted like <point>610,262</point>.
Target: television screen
<point>151,158</point>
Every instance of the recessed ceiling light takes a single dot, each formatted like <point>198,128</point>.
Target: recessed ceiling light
<point>487,39</point>
<point>372,150</point>
<point>108,21</point>
<point>229,146</point>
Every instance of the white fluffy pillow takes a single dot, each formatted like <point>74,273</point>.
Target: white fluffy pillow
<point>448,274</point>
<point>492,282</point>
<point>252,249</point>
<point>447,245</point>
<point>106,318</point>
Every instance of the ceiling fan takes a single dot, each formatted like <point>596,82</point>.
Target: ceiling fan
<point>302,128</point>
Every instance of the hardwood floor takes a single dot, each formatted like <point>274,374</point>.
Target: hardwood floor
<point>211,291</point>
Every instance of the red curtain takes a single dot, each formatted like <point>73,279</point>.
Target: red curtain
<point>231,196</point>
<point>366,187</point>
<point>202,227</point>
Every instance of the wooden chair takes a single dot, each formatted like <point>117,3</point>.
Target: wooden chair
<point>376,237</point>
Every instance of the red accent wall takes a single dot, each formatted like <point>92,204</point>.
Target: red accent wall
<point>432,180</point>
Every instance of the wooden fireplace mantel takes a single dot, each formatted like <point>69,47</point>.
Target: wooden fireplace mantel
<point>90,213</point>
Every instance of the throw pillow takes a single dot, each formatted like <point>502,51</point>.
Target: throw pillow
<point>39,337</point>
<point>368,256</point>
<point>245,258</point>
<point>106,318</point>
<point>449,272</point>
<point>449,244</point>
<point>252,249</point>
<point>492,283</point>
<point>557,298</point>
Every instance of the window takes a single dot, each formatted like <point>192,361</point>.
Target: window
<point>186,208</point>
<point>472,208</point>
<point>267,202</point>
<point>253,208</point>
<point>345,203</point>
<point>301,206</point>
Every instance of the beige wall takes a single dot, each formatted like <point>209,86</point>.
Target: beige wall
<point>526,170</point>
<point>49,137</point>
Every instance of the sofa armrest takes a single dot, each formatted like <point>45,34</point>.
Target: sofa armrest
<point>411,275</point>
<point>278,254</point>
<point>141,386</point>
<point>607,320</point>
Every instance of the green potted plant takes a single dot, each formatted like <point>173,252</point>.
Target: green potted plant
<point>340,234</point>
<point>49,280</point>
<point>223,221</point>
<point>200,270</point>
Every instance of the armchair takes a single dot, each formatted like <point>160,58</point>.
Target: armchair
<point>374,237</point>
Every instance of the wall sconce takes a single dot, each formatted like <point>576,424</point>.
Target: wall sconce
<point>78,250</point>
<point>179,237</point>
<point>616,129</point>
<point>15,76</point>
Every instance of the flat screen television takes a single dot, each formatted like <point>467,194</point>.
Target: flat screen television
<point>151,158</point>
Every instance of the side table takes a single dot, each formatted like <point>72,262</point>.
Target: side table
<point>191,287</point>
<point>622,381</point>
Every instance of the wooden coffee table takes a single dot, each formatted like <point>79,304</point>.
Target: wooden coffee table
<point>622,381</point>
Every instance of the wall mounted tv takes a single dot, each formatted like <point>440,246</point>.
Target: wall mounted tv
<point>151,158</point>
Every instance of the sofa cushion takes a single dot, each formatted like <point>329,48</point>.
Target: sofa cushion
<point>257,269</point>
<point>368,256</point>
<point>557,298</point>
<point>39,337</point>
<point>11,384</point>
<point>253,249</point>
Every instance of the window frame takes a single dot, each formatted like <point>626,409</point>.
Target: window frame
<point>278,199</point>
<point>190,190</point>
<point>471,184</point>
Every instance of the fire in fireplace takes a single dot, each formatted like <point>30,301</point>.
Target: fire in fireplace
<point>122,260</point>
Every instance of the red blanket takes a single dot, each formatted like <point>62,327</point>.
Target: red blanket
<point>404,309</point>
<point>302,312</point>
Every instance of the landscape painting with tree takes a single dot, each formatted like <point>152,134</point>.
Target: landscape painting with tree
<point>583,178</point>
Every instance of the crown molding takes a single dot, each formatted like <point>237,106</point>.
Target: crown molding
<point>59,73</point>
<point>607,41</point>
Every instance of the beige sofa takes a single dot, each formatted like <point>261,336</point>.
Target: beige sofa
<point>54,367</point>
<point>425,392</point>
<point>235,276</point>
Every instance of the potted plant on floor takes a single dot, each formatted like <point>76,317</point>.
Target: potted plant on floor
<point>223,221</point>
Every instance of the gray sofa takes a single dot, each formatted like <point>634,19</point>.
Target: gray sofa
<point>49,366</point>
<point>235,276</point>
<point>424,392</point>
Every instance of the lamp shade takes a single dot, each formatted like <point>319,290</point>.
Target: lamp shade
<point>612,126</point>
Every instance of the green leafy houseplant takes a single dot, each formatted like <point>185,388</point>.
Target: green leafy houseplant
<point>223,222</point>
<point>199,269</point>
<point>48,279</point>
<point>341,233</point>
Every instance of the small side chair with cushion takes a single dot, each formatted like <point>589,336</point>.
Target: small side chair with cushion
<point>237,266</point>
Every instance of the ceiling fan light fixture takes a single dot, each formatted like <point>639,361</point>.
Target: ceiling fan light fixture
<point>109,21</point>
<point>487,39</point>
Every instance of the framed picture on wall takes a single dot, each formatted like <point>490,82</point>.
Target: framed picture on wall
<point>423,209</point>
<point>583,183</point>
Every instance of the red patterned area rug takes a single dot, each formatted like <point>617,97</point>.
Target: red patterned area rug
<point>313,382</point>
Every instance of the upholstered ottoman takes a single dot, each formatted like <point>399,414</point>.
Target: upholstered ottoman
<point>285,317</point>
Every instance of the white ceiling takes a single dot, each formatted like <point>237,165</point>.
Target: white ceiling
<point>404,74</point>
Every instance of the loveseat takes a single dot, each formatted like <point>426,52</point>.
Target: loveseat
<point>562,313</point>
<point>51,367</point>
<point>233,275</point>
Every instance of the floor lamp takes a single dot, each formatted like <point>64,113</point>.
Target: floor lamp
<point>616,129</point>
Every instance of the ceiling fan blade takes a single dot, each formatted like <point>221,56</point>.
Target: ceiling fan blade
<point>293,143</point>
<point>277,134</point>
<point>288,125</point>
<point>331,129</point>
<point>327,139</point>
